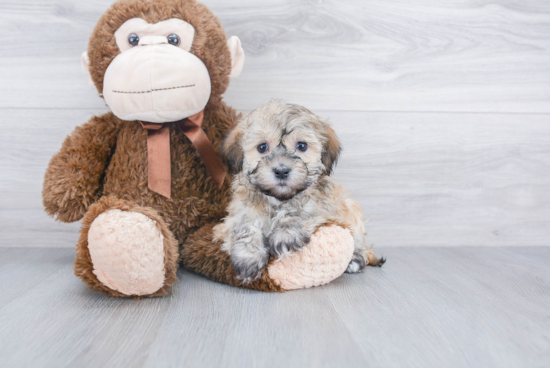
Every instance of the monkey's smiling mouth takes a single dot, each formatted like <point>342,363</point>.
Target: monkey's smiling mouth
<point>156,89</point>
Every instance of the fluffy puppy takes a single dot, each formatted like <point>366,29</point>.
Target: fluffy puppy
<point>283,155</point>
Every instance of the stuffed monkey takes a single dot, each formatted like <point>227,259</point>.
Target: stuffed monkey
<point>146,178</point>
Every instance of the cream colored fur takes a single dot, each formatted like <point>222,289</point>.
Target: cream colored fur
<point>330,246</point>
<point>237,56</point>
<point>127,252</point>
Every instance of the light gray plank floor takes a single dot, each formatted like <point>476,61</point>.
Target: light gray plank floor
<point>428,307</point>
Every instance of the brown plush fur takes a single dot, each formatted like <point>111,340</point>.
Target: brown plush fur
<point>107,157</point>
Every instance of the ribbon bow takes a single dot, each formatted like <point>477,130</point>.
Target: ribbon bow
<point>158,151</point>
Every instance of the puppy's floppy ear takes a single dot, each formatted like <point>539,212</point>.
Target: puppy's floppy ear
<point>232,150</point>
<point>331,150</point>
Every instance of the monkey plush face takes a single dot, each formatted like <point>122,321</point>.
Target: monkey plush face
<point>161,60</point>
<point>155,78</point>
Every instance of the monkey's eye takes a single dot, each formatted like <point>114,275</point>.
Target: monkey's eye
<point>173,39</point>
<point>301,146</point>
<point>262,148</point>
<point>133,39</point>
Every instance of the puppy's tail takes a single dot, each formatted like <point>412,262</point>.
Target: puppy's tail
<point>373,260</point>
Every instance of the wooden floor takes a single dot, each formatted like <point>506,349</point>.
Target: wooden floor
<point>427,307</point>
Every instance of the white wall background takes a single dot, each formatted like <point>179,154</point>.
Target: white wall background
<point>443,107</point>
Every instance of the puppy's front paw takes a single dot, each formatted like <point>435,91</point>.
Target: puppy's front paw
<point>286,240</point>
<point>356,264</point>
<point>249,256</point>
<point>248,269</point>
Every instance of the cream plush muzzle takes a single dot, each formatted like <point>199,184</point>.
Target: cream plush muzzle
<point>142,83</point>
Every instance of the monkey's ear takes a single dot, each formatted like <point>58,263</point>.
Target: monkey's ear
<point>232,150</point>
<point>86,68</point>
<point>331,150</point>
<point>237,56</point>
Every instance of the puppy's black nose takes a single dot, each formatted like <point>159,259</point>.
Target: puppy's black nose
<point>281,172</point>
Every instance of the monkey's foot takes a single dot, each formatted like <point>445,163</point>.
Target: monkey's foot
<point>130,250</point>
<point>324,259</point>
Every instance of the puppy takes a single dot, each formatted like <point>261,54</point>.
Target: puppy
<point>283,155</point>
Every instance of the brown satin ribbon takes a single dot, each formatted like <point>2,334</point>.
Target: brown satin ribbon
<point>158,151</point>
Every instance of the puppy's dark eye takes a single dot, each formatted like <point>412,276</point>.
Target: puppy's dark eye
<point>301,146</point>
<point>173,39</point>
<point>133,39</point>
<point>262,148</point>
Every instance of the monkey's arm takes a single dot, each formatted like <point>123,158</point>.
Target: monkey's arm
<point>73,177</point>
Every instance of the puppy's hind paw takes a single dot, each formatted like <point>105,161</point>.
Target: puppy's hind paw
<point>356,264</point>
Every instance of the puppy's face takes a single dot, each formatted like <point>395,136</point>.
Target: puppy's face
<point>282,149</point>
<point>281,162</point>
